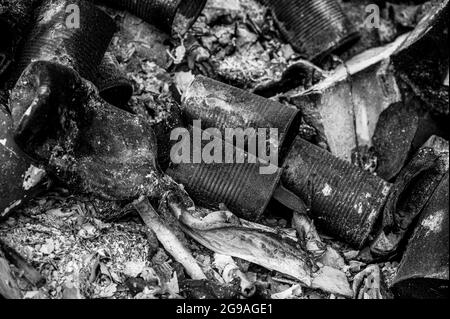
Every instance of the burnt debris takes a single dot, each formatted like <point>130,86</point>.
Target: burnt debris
<point>217,149</point>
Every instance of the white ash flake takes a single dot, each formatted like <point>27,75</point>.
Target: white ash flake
<point>386,190</point>
<point>433,223</point>
<point>134,268</point>
<point>33,176</point>
<point>327,190</point>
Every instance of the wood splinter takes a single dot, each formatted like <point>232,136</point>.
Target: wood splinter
<point>167,238</point>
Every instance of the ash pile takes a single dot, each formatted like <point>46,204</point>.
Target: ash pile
<point>239,149</point>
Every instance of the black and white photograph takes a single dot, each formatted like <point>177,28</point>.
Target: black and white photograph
<point>243,151</point>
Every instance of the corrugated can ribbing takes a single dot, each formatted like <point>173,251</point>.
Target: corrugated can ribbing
<point>240,187</point>
<point>53,39</point>
<point>314,27</point>
<point>344,199</point>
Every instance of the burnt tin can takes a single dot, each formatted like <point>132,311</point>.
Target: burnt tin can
<point>222,106</point>
<point>19,178</point>
<point>315,28</point>
<point>112,84</point>
<point>345,200</point>
<point>409,194</point>
<point>423,271</point>
<point>242,185</point>
<point>171,16</point>
<point>58,36</point>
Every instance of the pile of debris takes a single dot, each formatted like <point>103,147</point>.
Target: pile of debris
<point>348,200</point>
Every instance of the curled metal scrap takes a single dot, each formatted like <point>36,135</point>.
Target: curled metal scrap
<point>424,271</point>
<point>91,146</point>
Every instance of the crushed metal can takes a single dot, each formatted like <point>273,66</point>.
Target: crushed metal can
<point>222,106</point>
<point>423,271</point>
<point>93,147</point>
<point>19,178</point>
<point>112,84</point>
<point>409,195</point>
<point>400,133</point>
<point>344,200</point>
<point>79,47</point>
<point>172,16</point>
<point>315,28</point>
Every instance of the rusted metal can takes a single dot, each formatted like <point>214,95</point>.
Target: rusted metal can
<point>54,38</point>
<point>172,16</point>
<point>345,200</point>
<point>112,84</point>
<point>19,178</point>
<point>222,106</point>
<point>423,271</point>
<point>314,27</point>
<point>239,185</point>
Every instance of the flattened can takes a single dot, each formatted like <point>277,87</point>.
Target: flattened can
<point>222,106</point>
<point>79,44</point>
<point>345,200</point>
<point>172,16</point>
<point>314,27</point>
<point>19,178</point>
<point>423,271</point>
